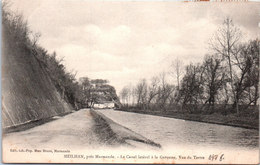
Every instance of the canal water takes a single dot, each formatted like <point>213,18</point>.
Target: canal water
<point>170,132</point>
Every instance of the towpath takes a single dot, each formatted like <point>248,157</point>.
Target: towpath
<point>84,129</point>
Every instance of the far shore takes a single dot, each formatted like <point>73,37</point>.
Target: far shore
<point>229,120</point>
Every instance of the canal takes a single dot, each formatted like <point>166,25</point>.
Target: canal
<point>177,133</point>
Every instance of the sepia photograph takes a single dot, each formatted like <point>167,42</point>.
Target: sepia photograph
<point>133,81</point>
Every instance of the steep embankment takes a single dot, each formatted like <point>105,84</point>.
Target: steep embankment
<point>27,91</point>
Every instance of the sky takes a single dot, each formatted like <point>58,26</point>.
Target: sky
<point>124,42</point>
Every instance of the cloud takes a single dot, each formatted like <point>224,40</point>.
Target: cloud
<point>126,41</point>
<point>107,39</point>
<point>79,58</point>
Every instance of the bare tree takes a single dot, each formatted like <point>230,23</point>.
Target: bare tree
<point>177,70</point>
<point>224,43</point>
<point>125,95</point>
<point>152,90</point>
<point>254,72</point>
<point>164,91</point>
<point>141,93</point>
<point>213,78</point>
<point>133,94</point>
<point>247,61</point>
<point>191,91</point>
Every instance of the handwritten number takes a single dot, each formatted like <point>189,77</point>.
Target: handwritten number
<point>221,157</point>
<point>214,157</point>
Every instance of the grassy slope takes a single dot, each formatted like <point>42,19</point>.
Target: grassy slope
<point>27,91</point>
<point>113,133</point>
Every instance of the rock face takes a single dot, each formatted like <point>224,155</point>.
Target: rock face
<point>27,91</point>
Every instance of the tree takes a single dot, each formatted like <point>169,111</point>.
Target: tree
<point>141,93</point>
<point>247,61</point>
<point>85,82</point>
<point>253,74</point>
<point>97,90</point>
<point>125,94</point>
<point>213,78</point>
<point>87,90</point>
<point>99,82</point>
<point>164,91</point>
<point>177,69</point>
<point>191,91</point>
<point>224,43</point>
<point>152,90</point>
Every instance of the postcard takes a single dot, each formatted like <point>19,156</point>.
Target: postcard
<point>173,82</point>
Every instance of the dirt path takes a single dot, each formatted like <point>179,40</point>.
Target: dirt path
<point>84,129</point>
<point>71,131</point>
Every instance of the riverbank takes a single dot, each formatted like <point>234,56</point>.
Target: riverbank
<point>83,129</point>
<point>113,133</point>
<point>215,118</point>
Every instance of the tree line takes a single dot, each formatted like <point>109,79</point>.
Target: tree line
<point>225,81</point>
<point>97,91</point>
